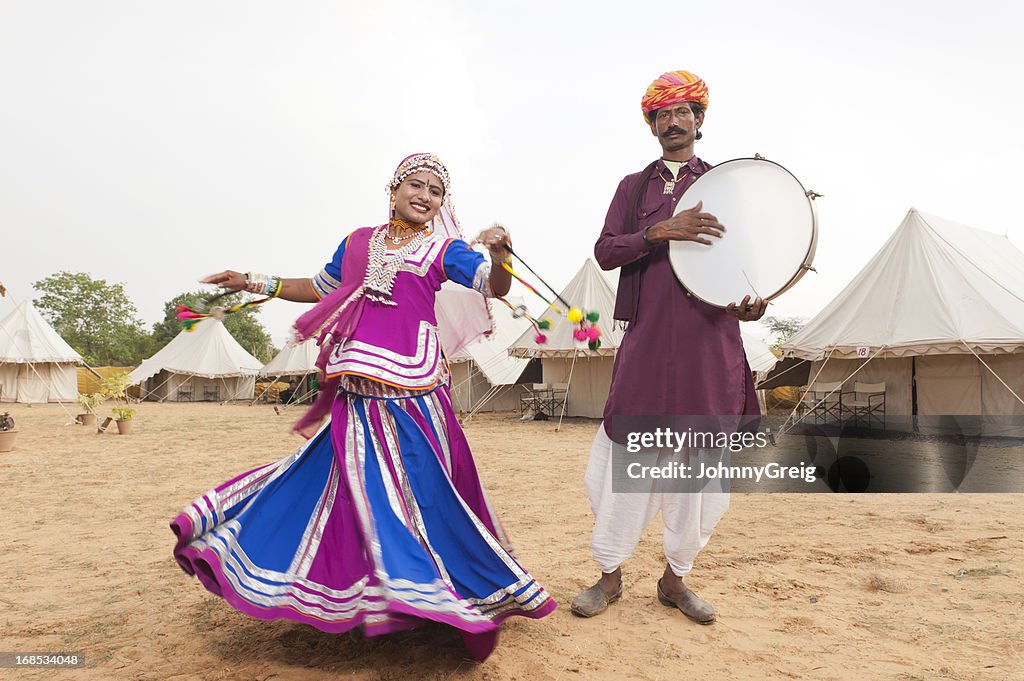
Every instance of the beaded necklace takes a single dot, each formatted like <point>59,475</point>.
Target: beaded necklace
<point>401,225</point>
<point>384,264</point>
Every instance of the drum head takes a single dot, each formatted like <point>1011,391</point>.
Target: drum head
<point>770,237</point>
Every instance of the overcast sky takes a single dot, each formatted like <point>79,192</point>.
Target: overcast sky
<point>152,143</point>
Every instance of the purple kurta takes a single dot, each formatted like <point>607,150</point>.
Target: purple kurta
<point>679,355</point>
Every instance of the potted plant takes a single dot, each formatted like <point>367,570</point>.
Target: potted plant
<point>116,386</point>
<point>123,417</point>
<point>7,433</point>
<point>90,403</point>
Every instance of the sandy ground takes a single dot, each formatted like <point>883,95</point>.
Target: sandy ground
<point>807,586</point>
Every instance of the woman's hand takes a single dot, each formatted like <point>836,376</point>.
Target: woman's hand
<point>499,245</point>
<point>497,241</point>
<point>228,279</point>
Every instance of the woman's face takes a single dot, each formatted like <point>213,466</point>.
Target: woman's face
<point>419,197</point>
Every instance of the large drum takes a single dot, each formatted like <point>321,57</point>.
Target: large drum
<point>770,238</point>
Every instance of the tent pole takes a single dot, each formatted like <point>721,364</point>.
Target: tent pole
<point>800,400</point>
<point>913,392</point>
<point>568,387</point>
<point>491,393</point>
<point>995,374</point>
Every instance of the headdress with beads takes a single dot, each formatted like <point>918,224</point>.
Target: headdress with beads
<point>444,222</point>
<point>420,163</point>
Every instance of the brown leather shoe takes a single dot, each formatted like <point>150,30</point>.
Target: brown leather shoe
<point>690,604</point>
<point>593,602</point>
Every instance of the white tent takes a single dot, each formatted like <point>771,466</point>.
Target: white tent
<point>483,373</point>
<point>36,364</point>
<point>938,311</point>
<point>759,356</point>
<point>293,360</point>
<point>206,364</point>
<point>562,357</point>
<point>296,363</point>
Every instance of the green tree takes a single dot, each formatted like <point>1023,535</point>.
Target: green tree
<point>97,319</point>
<point>783,328</point>
<point>242,325</point>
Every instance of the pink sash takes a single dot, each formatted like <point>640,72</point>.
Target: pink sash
<point>332,321</point>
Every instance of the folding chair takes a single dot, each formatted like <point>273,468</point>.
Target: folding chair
<point>824,402</point>
<point>868,402</point>
<point>544,398</point>
<point>527,401</point>
<point>559,394</point>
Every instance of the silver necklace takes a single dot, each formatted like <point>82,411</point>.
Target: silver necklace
<point>670,185</point>
<point>384,264</point>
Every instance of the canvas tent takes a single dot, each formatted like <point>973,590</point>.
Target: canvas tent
<point>937,315</point>
<point>36,364</point>
<point>484,375</point>
<point>206,364</point>
<point>296,364</point>
<point>759,356</point>
<point>588,372</point>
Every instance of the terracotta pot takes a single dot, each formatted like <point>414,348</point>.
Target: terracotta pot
<point>124,427</point>
<point>7,438</point>
<point>87,419</point>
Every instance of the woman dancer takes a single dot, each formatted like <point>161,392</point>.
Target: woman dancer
<point>379,520</point>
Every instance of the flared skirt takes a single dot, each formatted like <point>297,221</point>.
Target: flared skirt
<point>379,522</point>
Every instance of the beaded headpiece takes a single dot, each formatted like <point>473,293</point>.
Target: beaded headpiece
<point>419,163</point>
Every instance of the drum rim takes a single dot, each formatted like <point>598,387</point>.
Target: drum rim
<point>808,253</point>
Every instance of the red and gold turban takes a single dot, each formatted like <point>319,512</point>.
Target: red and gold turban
<point>672,88</point>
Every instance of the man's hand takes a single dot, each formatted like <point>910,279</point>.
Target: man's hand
<point>687,225</point>
<point>747,311</point>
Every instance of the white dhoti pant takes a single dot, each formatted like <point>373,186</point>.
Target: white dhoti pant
<point>622,517</point>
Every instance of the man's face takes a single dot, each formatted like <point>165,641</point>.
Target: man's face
<point>676,126</point>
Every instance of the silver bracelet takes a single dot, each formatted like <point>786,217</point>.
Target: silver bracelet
<point>257,283</point>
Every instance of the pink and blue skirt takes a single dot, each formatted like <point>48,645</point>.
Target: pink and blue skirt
<point>378,522</point>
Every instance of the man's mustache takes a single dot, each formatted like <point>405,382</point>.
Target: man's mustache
<point>673,129</point>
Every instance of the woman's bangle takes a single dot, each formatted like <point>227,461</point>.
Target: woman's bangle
<point>263,284</point>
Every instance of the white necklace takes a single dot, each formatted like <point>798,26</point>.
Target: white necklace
<point>384,264</point>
